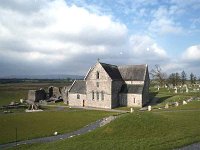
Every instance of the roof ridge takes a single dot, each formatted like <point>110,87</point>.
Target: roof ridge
<point>108,64</point>
<point>132,65</point>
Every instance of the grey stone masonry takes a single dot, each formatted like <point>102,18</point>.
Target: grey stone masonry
<point>109,86</point>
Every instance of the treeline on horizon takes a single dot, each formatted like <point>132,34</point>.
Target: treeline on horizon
<point>173,78</point>
<point>15,80</point>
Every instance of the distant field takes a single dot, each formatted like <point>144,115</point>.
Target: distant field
<point>32,125</point>
<point>15,91</point>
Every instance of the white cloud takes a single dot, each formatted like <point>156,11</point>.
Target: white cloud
<point>56,31</point>
<point>145,46</point>
<point>192,53</point>
<point>163,21</point>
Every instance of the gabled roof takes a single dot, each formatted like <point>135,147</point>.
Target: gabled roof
<point>131,88</point>
<point>112,71</point>
<point>79,86</point>
<point>133,72</point>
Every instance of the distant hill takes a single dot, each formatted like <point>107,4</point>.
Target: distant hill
<point>51,76</point>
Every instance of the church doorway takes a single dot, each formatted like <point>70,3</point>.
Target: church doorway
<point>83,103</point>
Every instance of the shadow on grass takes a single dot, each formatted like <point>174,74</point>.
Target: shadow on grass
<point>158,100</point>
<point>152,95</point>
<point>162,99</point>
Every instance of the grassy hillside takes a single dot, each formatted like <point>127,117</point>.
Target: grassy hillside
<point>32,125</point>
<point>148,130</point>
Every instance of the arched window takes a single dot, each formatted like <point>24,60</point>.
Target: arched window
<point>97,74</point>
<point>97,95</point>
<point>102,95</point>
<point>97,84</point>
<point>92,95</point>
<point>78,96</point>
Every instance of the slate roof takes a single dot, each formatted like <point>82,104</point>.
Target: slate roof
<point>79,86</point>
<point>130,88</point>
<point>132,72</point>
<point>112,71</point>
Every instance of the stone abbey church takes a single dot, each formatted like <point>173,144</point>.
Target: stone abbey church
<point>110,86</point>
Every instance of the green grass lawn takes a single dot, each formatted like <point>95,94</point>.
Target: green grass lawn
<point>166,96</point>
<point>32,125</point>
<point>147,130</point>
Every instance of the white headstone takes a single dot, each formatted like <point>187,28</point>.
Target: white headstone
<point>187,89</point>
<point>132,110</point>
<point>55,133</point>
<point>175,89</point>
<point>21,100</point>
<point>149,108</point>
<point>176,104</point>
<point>166,106</point>
<point>184,102</point>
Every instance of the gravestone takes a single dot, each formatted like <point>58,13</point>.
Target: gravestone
<point>149,108</point>
<point>184,102</point>
<point>175,89</point>
<point>166,106</point>
<point>21,100</point>
<point>158,88</point>
<point>187,89</point>
<point>176,104</point>
<point>132,110</point>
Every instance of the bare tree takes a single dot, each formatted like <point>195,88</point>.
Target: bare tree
<point>159,75</point>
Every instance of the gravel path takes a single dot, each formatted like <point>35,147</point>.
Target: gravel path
<point>87,128</point>
<point>195,146</point>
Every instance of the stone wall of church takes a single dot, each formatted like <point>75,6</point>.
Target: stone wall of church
<point>130,100</point>
<point>116,87</point>
<point>145,94</point>
<point>98,88</point>
<point>75,100</point>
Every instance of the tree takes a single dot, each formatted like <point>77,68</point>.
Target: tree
<point>177,78</point>
<point>174,79</point>
<point>159,75</point>
<point>192,78</point>
<point>183,77</point>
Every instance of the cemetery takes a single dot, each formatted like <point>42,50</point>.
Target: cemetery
<point>167,111</point>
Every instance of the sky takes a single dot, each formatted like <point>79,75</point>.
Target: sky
<point>41,37</point>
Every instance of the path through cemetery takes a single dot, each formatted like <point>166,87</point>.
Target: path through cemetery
<point>87,128</point>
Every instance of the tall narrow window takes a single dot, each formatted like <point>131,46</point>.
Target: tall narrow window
<point>92,95</point>
<point>134,100</point>
<point>97,84</point>
<point>102,96</point>
<point>97,74</point>
<point>97,95</point>
<point>78,96</point>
